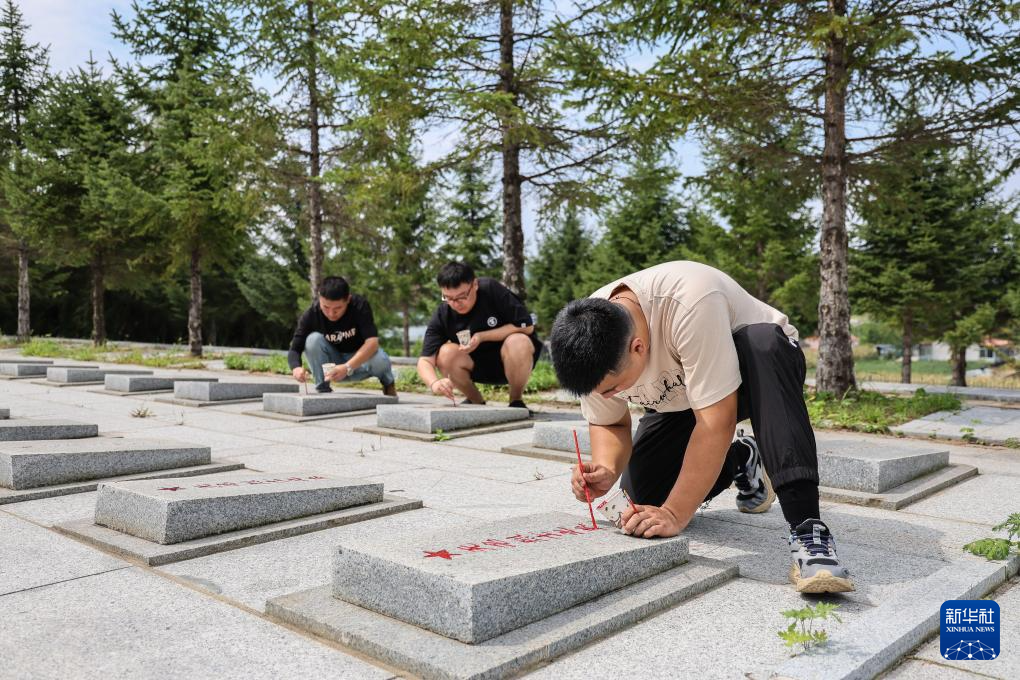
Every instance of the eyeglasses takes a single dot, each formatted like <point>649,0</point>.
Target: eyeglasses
<point>462,297</point>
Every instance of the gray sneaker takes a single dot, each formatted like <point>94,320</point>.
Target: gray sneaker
<point>816,568</point>
<point>754,488</point>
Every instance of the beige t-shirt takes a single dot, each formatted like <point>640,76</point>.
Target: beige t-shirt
<point>692,311</point>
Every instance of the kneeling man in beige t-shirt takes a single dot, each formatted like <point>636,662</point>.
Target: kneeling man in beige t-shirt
<point>685,342</point>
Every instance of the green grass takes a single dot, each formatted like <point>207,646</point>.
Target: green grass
<point>873,412</point>
<point>865,367</point>
<point>46,347</point>
<point>274,363</point>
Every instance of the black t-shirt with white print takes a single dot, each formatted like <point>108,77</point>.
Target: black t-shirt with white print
<point>496,306</point>
<point>347,334</point>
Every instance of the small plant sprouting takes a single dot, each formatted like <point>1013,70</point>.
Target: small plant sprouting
<point>998,548</point>
<point>802,631</point>
<point>441,436</point>
<point>538,475</point>
<point>142,412</point>
<point>1012,443</point>
<point>967,434</point>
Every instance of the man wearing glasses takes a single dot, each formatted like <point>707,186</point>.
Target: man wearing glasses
<point>481,333</point>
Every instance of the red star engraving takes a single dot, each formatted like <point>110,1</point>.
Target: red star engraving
<point>445,554</point>
<point>171,488</point>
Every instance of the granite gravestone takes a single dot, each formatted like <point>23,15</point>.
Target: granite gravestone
<point>477,582</point>
<point>169,511</point>
<point>228,391</point>
<point>147,383</point>
<point>20,370</point>
<point>304,405</point>
<point>428,418</point>
<point>20,429</point>
<point>859,465</point>
<point>65,374</point>
<point>37,464</point>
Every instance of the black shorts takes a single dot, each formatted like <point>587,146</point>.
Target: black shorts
<point>771,394</point>
<point>488,368</point>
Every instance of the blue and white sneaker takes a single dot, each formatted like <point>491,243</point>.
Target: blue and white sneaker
<point>754,488</point>
<point>816,568</point>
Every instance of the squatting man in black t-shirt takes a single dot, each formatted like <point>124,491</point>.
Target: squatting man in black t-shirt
<point>339,329</point>
<point>481,332</point>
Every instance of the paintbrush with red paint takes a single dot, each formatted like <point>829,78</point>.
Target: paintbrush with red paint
<point>580,468</point>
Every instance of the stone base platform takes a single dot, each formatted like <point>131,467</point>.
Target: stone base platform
<point>204,393</point>
<point>432,656</point>
<point>11,496</point>
<point>301,408</point>
<point>24,429</point>
<point>871,468</point>
<point>5,413</point>
<point>456,434</point>
<point>24,360</point>
<point>428,422</point>
<point>155,554</point>
<point>903,495</point>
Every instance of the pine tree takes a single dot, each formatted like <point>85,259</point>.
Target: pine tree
<point>471,225</point>
<point>209,138</point>
<point>555,273</point>
<point>23,75</point>
<point>76,183</point>
<point>644,227</point>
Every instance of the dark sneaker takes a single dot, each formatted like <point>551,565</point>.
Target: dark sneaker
<point>323,387</point>
<point>469,402</point>
<point>390,390</point>
<point>816,568</point>
<point>754,488</point>
<point>519,403</point>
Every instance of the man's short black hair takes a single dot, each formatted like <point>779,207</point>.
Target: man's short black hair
<point>454,274</point>
<point>588,340</point>
<point>335,288</point>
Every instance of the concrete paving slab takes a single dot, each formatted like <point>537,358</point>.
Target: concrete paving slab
<point>222,443</point>
<point>27,465</point>
<point>278,458</point>
<point>763,554</point>
<point>912,669</point>
<point>57,490</point>
<point>172,510</point>
<point>23,429</point>
<point>456,434</point>
<point>131,384</point>
<point>474,583</point>
<point>31,370</point>
<point>429,418</point>
<point>851,464</point>
<point>153,629</point>
<point>428,655</point>
<point>155,554</point>
<point>482,464</point>
<point>34,557</point>
<point>690,641</point>
<point>303,405</point>
<point>257,573</point>
<point>905,494</point>
<point>1007,664</point>
<point>881,637</point>
<point>985,499</point>
<point>228,391</point>
<point>49,511</point>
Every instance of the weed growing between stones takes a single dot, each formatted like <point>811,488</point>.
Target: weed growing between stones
<point>441,436</point>
<point>142,412</point>
<point>998,548</point>
<point>802,629</point>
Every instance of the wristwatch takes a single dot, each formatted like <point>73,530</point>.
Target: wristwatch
<point>349,368</point>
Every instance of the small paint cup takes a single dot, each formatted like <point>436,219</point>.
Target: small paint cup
<point>464,338</point>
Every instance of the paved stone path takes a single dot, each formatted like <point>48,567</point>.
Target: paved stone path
<point>68,610</point>
<point>987,424</point>
<point>973,393</point>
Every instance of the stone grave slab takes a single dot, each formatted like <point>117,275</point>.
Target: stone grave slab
<point>211,393</point>
<point>24,360</point>
<point>866,466</point>
<point>22,429</point>
<point>555,441</point>
<point>304,407</point>
<point>5,413</point>
<point>552,596</point>
<point>21,370</point>
<point>27,465</point>
<point>422,422</point>
<point>18,496</point>
<point>171,519</point>
<point>63,375</point>
<point>132,384</point>
<point>477,582</point>
<point>885,474</point>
